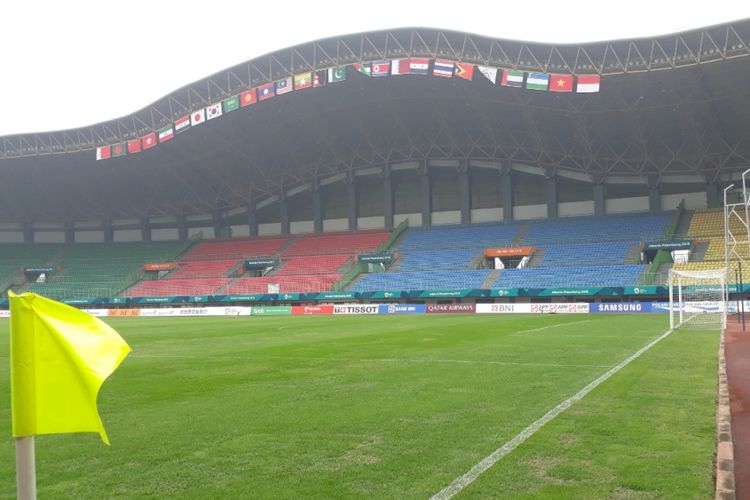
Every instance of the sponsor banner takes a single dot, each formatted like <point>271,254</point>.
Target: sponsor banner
<point>312,310</point>
<point>122,313</point>
<point>450,308</point>
<point>160,266</point>
<point>668,245</point>
<point>564,308</point>
<point>271,310</point>
<point>620,307</point>
<point>355,309</point>
<point>499,308</point>
<point>697,307</point>
<point>84,301</point>
<point>196,311</point>
<point>4,314</point>
<point>376,258</point>
<point>439,294</point>
<point>509,252</point>
<point>401,309</point>
<point>382,295</point>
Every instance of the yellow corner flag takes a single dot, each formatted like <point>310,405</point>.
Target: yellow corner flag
<point>59,358</point>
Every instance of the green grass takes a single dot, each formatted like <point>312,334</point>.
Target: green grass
<point>388,407</point>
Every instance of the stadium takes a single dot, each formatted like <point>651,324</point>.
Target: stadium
<point>516,187</point>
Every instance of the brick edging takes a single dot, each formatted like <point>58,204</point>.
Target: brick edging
<point>724,446</point>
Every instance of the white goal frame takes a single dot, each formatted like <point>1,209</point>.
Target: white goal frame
<point>698,299</point>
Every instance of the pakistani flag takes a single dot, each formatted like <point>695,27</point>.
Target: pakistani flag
<point>337,74</point>
<point>231,104</point>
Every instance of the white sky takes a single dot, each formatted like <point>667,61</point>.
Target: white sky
<point>72,63</point>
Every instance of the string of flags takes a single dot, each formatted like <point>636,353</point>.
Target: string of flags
<point>441,68</point>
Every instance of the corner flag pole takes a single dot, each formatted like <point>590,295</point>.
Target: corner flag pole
<point>25,468</point>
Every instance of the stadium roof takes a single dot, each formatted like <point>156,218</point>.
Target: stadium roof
<point>674,104</point>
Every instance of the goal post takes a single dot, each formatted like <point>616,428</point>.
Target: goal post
<point>697,299</point>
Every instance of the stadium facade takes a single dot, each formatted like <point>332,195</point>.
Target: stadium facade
<point>668,121</point>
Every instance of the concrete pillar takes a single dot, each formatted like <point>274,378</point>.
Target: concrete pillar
<point>353,211</point>
<point>600,207</point>
<point>284,215</point>
<point>426,190</point>
<point>464,189</point>
<point>654,193</point>
<point>109,232</point>
<point>145,229</point>
<point>550,180</point>
<point>218,224</point>
<point>506,190</point>
<point>252,219</point>
<point>317,201</point>
<point>713,199</point>
<point>28,232</point>
<point>182,230</point>
<point>388,197</point>
<point>70,232</point>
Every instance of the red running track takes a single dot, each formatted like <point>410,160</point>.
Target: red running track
<point>737,352</point>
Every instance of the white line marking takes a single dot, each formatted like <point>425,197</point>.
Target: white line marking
<point>366,360</point>
<point>550,326</point>
<point>463,481</point>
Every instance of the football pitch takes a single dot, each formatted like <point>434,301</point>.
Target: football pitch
<point>389,407</point>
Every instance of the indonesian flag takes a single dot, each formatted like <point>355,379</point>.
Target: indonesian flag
<point>588,84</point>
<point>149,140</point>
<point>400,66</point>
<point>103,153</point>
<point>561,83</point>
<point>198,117</point>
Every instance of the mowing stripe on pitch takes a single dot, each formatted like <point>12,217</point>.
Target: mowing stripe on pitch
<point>463,481</point>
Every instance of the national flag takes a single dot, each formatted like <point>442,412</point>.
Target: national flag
<point>213,111</point>
<point>337,74</point>
<point>198,117</point>
<point>319,78</point>
<point>537,81</point>
<point>465,71</point>
<point>231,103</point>
<point>380,68</point>
<point>118,149</point>
<point>149,140</point>
<point>303,80</point>
<point>561,83</point>
<point>266,91</point>
<point>443,68</point>
<point>284,86</point>
<point>400,66</point>
<point>512,78</point>
<point>103,153</point>
<point>588,84</point>
<point>166,133</point>
<point>419,65</point>
<point>488,72</point>
<point>134,146</point>
<point>363,68</point>
<point>248,97</point>
<point>182,124</point>
<point>59,358</point>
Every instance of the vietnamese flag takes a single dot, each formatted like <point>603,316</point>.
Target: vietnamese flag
<point>561,83</point>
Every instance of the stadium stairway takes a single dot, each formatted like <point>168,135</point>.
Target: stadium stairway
<point>699,251</point>
<point>684,224</point>
<point>536,259</point>
<point>523,231</point>
<point>491,278</point>
<point>634,254</point>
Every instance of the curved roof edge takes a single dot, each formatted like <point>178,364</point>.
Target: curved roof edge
<point>636,55</point>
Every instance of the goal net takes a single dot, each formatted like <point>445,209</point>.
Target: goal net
<point>697,299</point>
